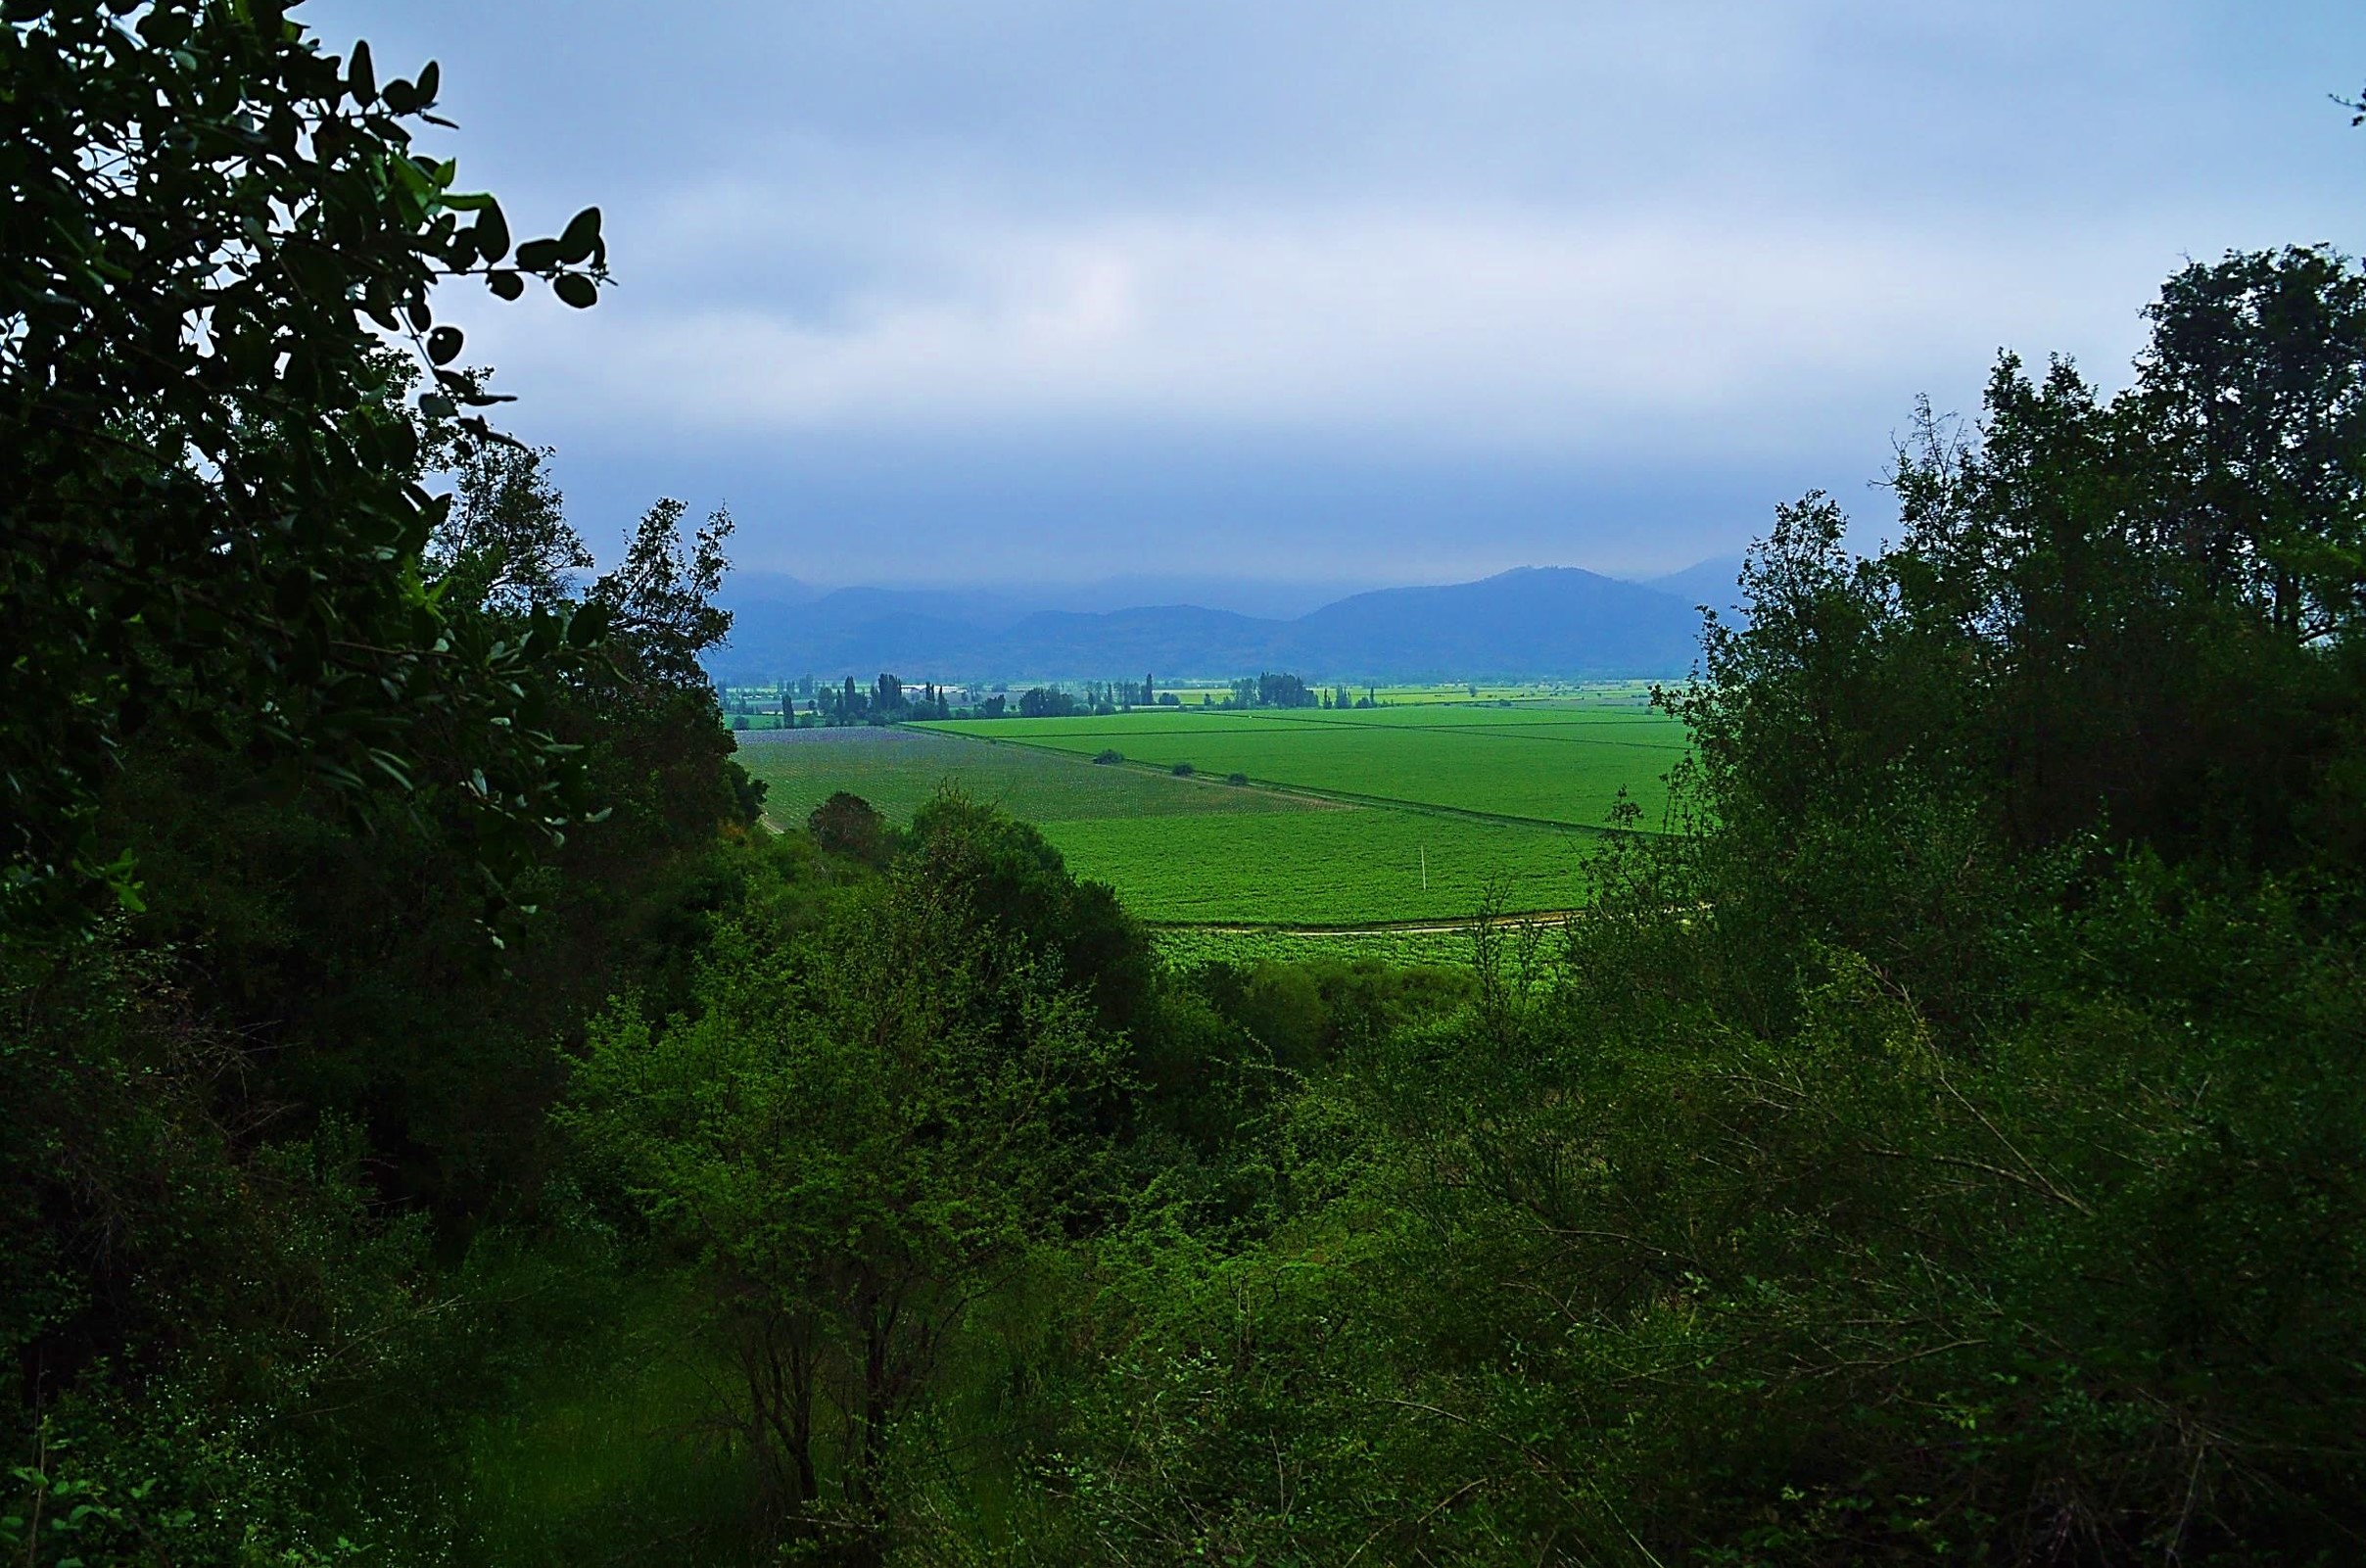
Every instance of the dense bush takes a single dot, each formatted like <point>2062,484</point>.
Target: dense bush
<point>856,1157</point>
<point>1945,1145</point>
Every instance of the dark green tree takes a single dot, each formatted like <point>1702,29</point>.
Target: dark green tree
<point>1281,690</point>
<point>660,598</point>
<point>857,1159</point>
<point>505,545</point>
<point>848,825</point>
<point>214,497</point>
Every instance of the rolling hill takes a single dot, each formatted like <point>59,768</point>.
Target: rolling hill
<point>1715,583</point>
<point>1529,623</point>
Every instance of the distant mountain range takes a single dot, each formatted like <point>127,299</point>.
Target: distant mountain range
<point>1715,584</point>
<point>1554,622</point>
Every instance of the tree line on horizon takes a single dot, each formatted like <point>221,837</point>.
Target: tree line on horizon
<point>889,701</point>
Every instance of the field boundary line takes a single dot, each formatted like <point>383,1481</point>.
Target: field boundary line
<point>1494,731</point>
<point>1307,792</point>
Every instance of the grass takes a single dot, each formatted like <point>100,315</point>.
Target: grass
<point>1413,813</point>
<point>604,1455</point>
<point>1562,764</point>
<point>1636,692</point>
<point>896,770</point>
<point>1342,867</point>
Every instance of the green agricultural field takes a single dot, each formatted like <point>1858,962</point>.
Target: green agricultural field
<point>896,770</point>
<point>1336,867</point>
<point>1192,850</point>
<point>1636,693</point>
<point>1561,764</point>
<point>1409,814</point>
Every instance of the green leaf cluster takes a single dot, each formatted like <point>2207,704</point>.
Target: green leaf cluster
<point>215,231</point>
<point>858,1132</point>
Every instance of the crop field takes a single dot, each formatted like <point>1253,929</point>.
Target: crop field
<point>896,770</point>
<point>1324,867</point>
<point>1636,692</point>
<point>1411,815</point>
<point>1191,850</point>
<point>1561,764</point>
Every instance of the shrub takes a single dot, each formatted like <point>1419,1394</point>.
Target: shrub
<point>1236,777</point>
<point>1183,769</point>
<point>951,1102</point>
<point>848,825</point>
<point>1110,757</point>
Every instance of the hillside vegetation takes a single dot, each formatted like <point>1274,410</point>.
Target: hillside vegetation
<point>443,1127</point>
<point>1520,625</point>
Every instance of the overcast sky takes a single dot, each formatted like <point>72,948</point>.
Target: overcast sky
<point>1349,290</point>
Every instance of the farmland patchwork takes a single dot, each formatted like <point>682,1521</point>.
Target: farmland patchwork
<point>1400,815</point>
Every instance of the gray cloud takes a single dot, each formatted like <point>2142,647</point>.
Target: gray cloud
<point>1540,260</point>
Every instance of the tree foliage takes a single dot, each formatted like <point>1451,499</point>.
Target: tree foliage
<point>858,1133</point>
<point>214,229</point>
<point>505,544</point>
<point>311,724</point>
<point>1942,1144</point>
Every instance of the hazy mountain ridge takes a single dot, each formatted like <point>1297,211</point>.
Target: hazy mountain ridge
<point>1527,623</point>
<point>1715,583</point>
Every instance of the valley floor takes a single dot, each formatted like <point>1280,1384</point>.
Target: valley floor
<point>1279,825</point>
